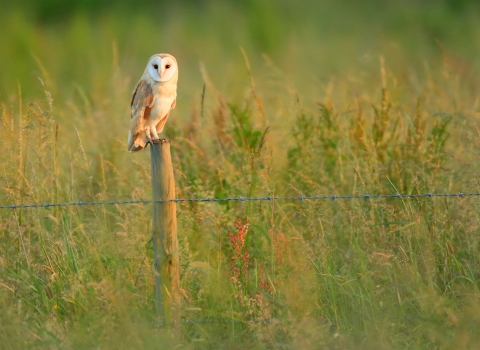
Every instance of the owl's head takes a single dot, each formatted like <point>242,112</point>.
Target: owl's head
<point>162,67</point>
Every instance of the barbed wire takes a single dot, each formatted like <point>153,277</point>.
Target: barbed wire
<point>240,199</point>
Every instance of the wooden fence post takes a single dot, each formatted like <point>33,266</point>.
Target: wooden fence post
<point>164,230</point>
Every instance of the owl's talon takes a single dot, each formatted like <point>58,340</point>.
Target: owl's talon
<point>149,139</point>
<point>159,140</point>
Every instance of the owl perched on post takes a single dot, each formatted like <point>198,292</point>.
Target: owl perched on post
<point>153,99</point>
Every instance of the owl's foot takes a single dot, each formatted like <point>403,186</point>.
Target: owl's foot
<point>149,139</point>
<point>160,140</point>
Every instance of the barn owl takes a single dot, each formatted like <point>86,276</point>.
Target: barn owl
<point>153,99</point>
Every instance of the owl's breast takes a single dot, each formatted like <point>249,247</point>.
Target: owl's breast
<point>160,109</point>
<point>165,94</point>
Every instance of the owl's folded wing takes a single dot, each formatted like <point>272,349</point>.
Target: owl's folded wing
<point>140,107</point>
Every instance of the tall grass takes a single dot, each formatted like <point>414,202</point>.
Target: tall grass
<point>336,117</point>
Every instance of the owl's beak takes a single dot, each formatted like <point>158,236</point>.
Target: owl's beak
<point>162,69</point>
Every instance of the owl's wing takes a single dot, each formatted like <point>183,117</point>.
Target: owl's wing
<point>140,107</point>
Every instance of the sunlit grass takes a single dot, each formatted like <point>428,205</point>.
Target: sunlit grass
<point>383,273</point>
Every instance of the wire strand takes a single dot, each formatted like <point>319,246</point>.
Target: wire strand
<point>240,199</point>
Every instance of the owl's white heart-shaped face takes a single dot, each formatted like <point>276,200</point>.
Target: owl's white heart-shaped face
<point>162,69</point>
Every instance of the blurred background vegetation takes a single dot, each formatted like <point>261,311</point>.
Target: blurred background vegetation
<point>307,40</point>
<point>83,49</point>
<point>301,98</point>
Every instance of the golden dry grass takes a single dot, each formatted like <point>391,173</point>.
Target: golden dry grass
<point>385,273</point>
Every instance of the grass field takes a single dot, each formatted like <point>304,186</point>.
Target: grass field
<point>300,99</point>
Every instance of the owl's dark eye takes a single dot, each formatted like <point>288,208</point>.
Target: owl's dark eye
<point>167,66</point>
<point>155,66</point>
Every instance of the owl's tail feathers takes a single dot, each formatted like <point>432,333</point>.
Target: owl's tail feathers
<point>136,142</point>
